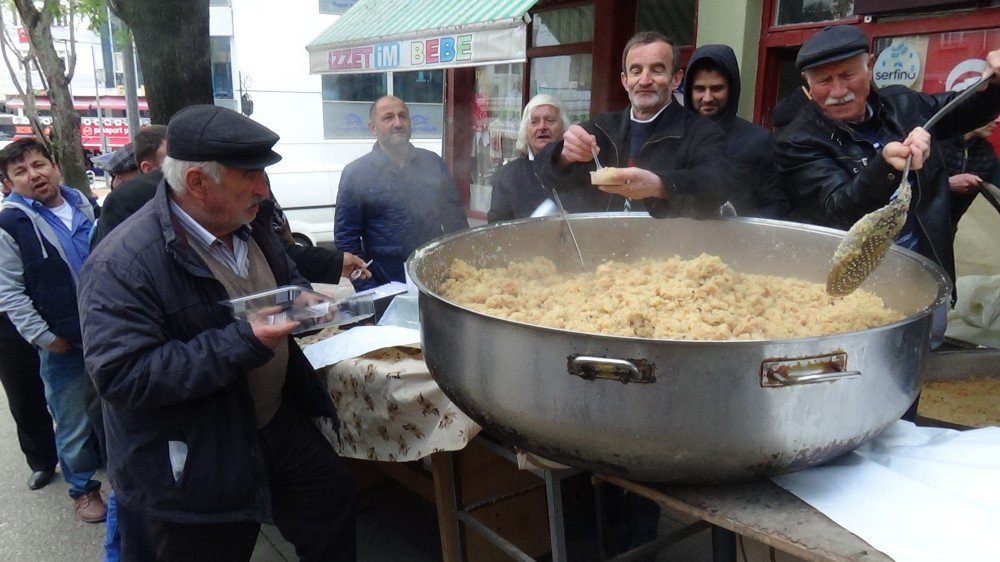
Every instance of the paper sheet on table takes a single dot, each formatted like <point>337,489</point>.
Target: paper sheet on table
<point>358,341</point>
<point>915,493</point>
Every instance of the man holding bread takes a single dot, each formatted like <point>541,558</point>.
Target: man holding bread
<point>670,158</point>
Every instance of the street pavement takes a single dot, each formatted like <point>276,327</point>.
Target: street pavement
<point>39,526</point>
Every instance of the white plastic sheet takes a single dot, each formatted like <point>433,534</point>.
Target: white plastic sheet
<point>915,493</point>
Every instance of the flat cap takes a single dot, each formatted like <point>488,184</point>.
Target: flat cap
<point>831,44</point>
<point>209,133</point>
<point>122,161</point>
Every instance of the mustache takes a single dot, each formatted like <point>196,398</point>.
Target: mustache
<point>848,98</point>
<point>256,201</point>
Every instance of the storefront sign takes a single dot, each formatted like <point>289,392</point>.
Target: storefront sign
<point>897,65</point>
<point>470,48</point>
<point>115,129</point>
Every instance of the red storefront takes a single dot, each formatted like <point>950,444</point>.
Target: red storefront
<point>927,45</point>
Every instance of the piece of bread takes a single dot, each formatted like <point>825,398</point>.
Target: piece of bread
<point>607,176</point>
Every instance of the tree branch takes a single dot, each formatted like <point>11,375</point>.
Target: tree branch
<point>71,58</point>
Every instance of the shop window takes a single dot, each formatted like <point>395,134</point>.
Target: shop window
<point>423,92</point>
<point>335,7</point>
<point>496,117</point>
<point>566,77</point>
<point>673,18</point>
<point>222,68</point>
<point>563,27</point>
<point>810,11</point>
<point>346,101</point>
<point>933,63</point>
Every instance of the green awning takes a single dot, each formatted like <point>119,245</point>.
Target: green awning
<point>381,35</point>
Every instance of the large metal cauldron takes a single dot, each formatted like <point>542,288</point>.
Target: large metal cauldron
<point>690,411</point>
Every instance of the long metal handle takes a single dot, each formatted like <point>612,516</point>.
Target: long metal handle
<point>565,218</point>
<point>962,364</point>
<point>957,100</point>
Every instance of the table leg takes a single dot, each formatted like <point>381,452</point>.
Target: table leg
<point>443,470</point>
<point>557,531</point>
<point>723,545</point>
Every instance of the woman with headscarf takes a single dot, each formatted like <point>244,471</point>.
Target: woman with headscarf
<point>516,189</point>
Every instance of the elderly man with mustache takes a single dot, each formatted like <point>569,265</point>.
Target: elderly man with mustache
<point>207,417</point>
<point>843,154</point>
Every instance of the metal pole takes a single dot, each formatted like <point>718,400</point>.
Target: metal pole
<point>131,95</point>
<point>97,98</point>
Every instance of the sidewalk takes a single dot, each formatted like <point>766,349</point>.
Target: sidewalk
<point>39,526</point>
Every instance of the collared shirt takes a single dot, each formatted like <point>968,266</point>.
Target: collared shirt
<point>236,259</point>
<point>75,240</point>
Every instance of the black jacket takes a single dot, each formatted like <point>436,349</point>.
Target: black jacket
<point>169,362</point>
<point>516,191</point>
<point>749,147</point>
<point>968,156</point>
<point>686,150</point>
<point>123,201</point>
<point>833,177</point>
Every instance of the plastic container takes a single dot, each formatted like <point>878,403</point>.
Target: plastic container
<point>310,309</point>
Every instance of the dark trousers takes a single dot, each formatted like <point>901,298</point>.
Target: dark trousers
<point>26,397</point>
<point>312,496</point>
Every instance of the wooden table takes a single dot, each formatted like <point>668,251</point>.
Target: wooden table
<point>762,511</point>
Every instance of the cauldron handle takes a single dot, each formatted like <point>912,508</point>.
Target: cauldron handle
<point>625,371</point>
<point>805,370</point>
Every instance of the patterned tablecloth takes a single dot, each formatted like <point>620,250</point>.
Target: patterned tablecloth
<point>390,408</point>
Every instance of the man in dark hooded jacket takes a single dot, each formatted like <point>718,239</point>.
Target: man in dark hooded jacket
<point>712,89</point>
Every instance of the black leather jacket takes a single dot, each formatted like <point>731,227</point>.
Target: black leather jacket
<point>833,177</point>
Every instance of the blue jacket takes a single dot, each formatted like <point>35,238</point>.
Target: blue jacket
<point>385,212</point>
<point>37,285</point>
<point>169,362</point>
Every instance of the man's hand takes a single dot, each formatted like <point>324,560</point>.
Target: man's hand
<point>964,183</point>
<point>59,345</point>
<point>917,143</point>
<point>272,334</point>
<point>353,263</point>
<point>639,184</point>
<point>576,145</point>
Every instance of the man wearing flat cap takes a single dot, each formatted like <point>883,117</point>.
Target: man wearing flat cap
<point>842,156</point>
<point>122,166</point>
<point>207,416</point>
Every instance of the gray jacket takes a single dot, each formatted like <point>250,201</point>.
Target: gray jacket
<point>14,300</point>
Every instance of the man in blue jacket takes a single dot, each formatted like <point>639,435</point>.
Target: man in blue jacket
<point>208,417</point>
<point>395,198</point>
<point>44,228</point>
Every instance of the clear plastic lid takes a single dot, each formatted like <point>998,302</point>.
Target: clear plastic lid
<point>310,309</point>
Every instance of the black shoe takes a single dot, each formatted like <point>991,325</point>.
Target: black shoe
<point>40,478</point>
